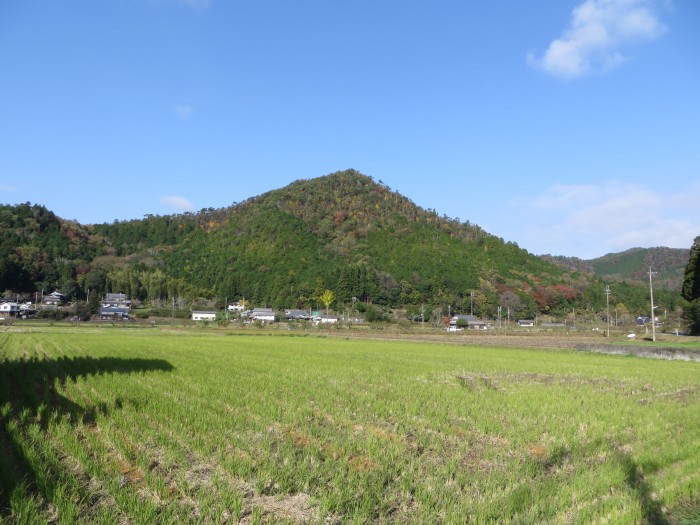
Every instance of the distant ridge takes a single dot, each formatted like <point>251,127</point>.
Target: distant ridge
<point>668,265</point>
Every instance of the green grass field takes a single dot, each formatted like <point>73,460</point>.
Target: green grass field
<point>143,426</point>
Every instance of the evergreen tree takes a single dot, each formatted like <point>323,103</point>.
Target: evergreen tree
<point>691,288</point>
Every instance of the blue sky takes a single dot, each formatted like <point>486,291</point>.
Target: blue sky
<point>571,127</point>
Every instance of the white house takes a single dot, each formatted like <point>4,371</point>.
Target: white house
<point>236,307</point>
<point>203,315</point>
<point>9,309</point>
<point>325,319</point>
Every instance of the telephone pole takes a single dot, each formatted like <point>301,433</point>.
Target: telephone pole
<point>607,308</point>
<point>651,298</point>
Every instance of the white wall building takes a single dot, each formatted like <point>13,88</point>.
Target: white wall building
<point>203,315</point>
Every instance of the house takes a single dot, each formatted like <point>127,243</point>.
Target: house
<point>114,313</point>
<point>264,315</point>
<point>55,298</point>
<point>203,315</point>
<point>236,307</point>
<point>526,322</point>
<point>297,315</point>
<point>9,309</point>
<point>325,319</point>
<point>469,321</point>
<point>116,299</point>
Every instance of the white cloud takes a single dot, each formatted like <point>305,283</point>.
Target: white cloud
<point>7,187</point>
<point>184,111</point>
<point>598,33</point>
<point>179,203</point>
<point>590,220</point>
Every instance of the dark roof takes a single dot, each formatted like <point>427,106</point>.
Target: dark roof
<point>296,314</point>
<point>113,310</point>
<point>468,318</point>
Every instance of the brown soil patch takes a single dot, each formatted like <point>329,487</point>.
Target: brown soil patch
<point>537,451</point>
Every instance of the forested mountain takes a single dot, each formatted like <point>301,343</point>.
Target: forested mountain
<point>38,250</point>
<point>668,265</point>
<point>343,232</point>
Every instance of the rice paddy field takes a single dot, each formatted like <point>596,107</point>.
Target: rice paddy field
<point>118,426</point>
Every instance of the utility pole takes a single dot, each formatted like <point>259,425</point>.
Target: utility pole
<point>651,298</point>
<point>471,303</point>
<point>607,308</point>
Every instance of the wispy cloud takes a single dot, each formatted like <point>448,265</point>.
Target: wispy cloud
<point>613,217</point>
<point>598,34</point>
<point>183,111</point>
<point>179,203</point>
<point>7,187</point>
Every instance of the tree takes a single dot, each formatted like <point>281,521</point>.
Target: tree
<point>327,299</point>
<point>691,288</point>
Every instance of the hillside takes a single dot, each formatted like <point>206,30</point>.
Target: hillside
<point>343,232</point>
<point>668,265</point>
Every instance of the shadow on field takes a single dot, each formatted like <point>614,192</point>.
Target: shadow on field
<point>28,397</point>
<point>651,507</point>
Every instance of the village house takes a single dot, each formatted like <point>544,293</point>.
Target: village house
<point>236,307</point>
<point>9,309</point>
<point>264,315</point>
<point>203,315</point>
<point>325,319</point>
<point>114,313</point>
<point>469,321</point>
<point>54,298</point>
<point>297,315</point>
<point>119,300</point>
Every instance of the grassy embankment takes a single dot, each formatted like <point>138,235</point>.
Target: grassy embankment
<point>111,425</point>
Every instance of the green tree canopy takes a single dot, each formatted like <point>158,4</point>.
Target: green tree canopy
<point>691,288</point>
